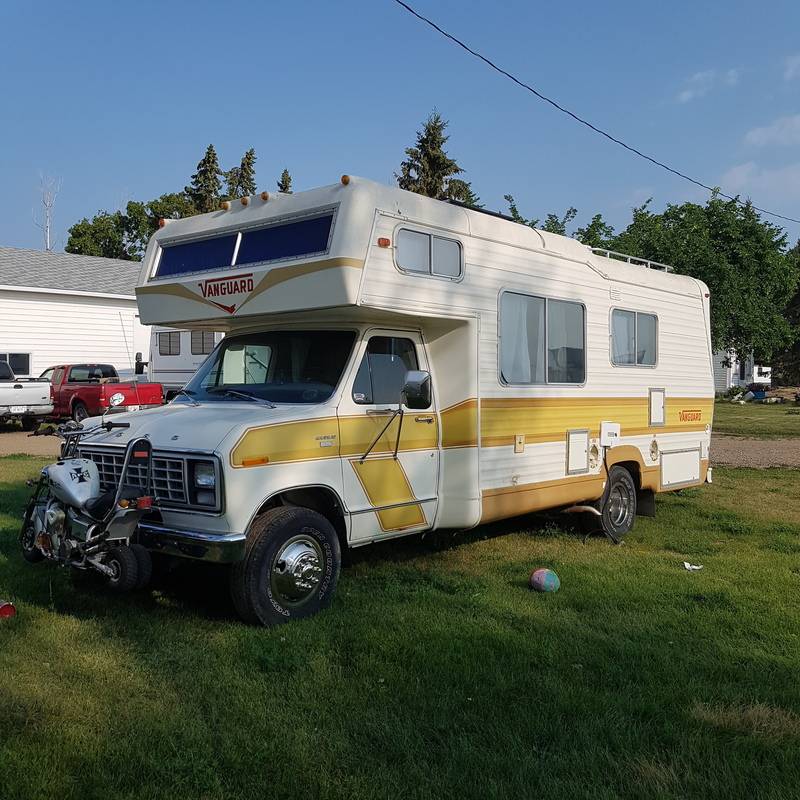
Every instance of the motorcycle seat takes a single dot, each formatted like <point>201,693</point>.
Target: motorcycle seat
<point>98,507</point>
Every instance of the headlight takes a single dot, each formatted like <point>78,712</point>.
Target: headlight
<point>205,476</point>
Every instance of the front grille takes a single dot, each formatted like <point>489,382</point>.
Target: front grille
<point>168,475</point>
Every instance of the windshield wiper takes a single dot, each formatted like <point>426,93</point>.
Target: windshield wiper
<point>245,395</point>
<point>190,394</point>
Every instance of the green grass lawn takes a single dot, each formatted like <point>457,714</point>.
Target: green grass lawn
<point>436,673</point>
<point>757,419</point>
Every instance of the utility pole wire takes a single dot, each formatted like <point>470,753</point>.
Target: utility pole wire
<point>582,121</point>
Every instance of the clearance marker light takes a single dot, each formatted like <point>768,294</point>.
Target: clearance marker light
<point>254,462</point>
<point>384,242</point>
<point>345,180</point>
<point>162,222</point>
<point>244,201</point>
<point>265,196</point>
<point>225,205</point>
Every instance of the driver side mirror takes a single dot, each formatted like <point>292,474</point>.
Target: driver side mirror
<point>417,389</point>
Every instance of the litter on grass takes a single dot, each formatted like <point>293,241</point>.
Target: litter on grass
<point>691,567</point>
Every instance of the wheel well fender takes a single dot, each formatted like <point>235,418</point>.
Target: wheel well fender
<point>322,499</point>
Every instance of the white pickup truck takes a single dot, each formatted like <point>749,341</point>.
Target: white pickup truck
<point>29,401</point>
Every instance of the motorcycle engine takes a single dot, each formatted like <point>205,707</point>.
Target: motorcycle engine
<point>49,527</point>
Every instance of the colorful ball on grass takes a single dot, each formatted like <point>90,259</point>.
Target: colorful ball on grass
<point>544,580</point>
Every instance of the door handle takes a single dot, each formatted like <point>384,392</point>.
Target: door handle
<point>428,419</point>
<point>380,411</point>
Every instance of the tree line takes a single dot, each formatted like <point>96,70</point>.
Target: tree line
<point>747,263</point>
<point>124,234</point>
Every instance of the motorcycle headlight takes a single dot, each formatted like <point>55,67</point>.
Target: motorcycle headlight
<point>205,476</point>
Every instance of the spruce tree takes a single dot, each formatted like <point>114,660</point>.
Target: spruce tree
<point>233,183</point>
<point>285,182</point>
<point>203,191</point>
<point>247,174</point>
<point>427,168</point>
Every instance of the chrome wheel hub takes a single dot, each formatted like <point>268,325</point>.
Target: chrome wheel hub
<point>619,504</point>
<point>296,570</point>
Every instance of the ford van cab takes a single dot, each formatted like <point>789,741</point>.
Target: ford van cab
<point>395,364</point>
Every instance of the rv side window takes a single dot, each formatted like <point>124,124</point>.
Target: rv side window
<point>633,338</point>
<point>169,343</point>
<point>382,371</point>
<point>202,342</point>
<point>428,254</point>
<point>541,340</point>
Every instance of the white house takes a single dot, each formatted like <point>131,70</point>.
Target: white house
<point>58,308</point>
<point>730,371</point>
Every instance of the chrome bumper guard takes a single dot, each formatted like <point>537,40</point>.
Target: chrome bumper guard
<point>221,548</point>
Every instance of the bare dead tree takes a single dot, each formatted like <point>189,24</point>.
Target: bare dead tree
<point>50,187</point>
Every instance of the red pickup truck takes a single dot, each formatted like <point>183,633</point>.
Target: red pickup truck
<point>85,390</point>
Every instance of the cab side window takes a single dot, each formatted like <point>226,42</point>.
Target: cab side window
<point>382,371</point>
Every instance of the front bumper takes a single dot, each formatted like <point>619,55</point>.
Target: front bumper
<point>221,548</point>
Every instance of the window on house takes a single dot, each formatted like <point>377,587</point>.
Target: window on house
<point>541,340</point>
<point>633,338</point>
<point>202,342</point>
<point>382,372</point>
<point>20,363</point>
<point>169,343</point>
<point>428,254</point>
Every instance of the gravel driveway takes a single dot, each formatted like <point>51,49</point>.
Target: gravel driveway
<point>738,451</point>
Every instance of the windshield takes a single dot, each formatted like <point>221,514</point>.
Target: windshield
<point>274,366</point>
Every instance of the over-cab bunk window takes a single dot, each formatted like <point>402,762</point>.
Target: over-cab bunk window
<point>427,254</point>
<point>279,240</point>
<point>541,340</point>
<point>634,338</point>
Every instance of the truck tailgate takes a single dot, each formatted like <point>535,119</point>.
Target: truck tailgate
<point>17,397</point>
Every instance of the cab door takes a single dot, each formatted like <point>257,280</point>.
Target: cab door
<point>387,494</point>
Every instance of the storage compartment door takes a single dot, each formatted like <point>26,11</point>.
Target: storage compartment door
<point>577,451</point>
<point>680,468</point>
<point>657,407</point>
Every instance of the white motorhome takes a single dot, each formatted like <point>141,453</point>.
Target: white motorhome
<point>175,355</point>
<point>396,364</point>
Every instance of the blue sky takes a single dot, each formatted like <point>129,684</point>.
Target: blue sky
<point>119,100</point>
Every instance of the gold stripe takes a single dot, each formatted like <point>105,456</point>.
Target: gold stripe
<point>460,425</point>
<point>282,442</point>
<point>386,484</point>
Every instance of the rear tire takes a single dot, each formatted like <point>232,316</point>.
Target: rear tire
<point>619,504</point>
<point>126,569</point>
<point>290,568</point>
<point>145,564</point>
<point>79,412</point>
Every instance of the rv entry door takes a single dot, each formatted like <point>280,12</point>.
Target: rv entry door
<point>390,461</point>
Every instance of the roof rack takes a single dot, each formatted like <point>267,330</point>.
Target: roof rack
<point>639,262</point>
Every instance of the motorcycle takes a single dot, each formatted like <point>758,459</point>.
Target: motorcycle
<point>69,519</point>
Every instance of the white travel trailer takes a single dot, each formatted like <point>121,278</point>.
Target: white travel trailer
<point>396,364</point>
<point>175,355</point>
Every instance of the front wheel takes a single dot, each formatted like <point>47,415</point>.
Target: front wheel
<point>619,504</point>
<point>124,569</point>
<point>290,569</point>
<point>30,552</point>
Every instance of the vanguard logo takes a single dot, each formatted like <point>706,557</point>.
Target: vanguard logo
<point>226,287</point>
<point>690,415</point>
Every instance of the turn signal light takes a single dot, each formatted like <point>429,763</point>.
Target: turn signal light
<point>144,503</point>
<point>124,503</point>
<point>254,462</point>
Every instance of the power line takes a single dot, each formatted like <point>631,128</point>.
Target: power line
<point>582,121</point>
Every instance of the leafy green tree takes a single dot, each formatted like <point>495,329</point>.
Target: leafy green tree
<point>555,224</point>
<point>739,256</point>
<point>513,212</point>
<point>285,182</point>
<point>103,235</point>
<point>597,233</point>
<point>786,362</point>
<point>429,170</point>
<point>205,185</point>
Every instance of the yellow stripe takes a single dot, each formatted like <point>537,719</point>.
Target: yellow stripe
<point>287,441</point>
<point>385,483</point>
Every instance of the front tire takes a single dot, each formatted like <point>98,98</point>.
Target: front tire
<point>30,552</point>
<point>125,566</point>
<point>290,569</point>
<point>618,511</point>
